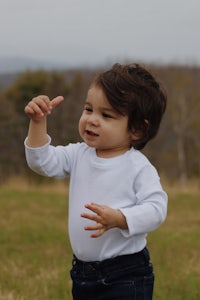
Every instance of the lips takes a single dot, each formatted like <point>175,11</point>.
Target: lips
<point>91,133</point>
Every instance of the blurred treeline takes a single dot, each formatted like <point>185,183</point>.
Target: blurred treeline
<point>175,151</point>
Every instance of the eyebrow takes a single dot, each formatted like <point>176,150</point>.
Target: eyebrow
<point>102,108</point>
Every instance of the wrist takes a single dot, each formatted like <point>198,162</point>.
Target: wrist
<point>121,220</point>
<point>37,133</point>
<point>38,121</point>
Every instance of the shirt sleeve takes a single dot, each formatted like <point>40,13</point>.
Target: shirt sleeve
<point>49,160</point>
<point>151,208</point>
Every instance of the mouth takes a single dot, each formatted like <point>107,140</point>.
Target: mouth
<point>90,133</point>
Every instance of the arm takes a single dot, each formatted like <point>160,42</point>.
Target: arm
<point>37,110</point>
<point>142,217</point>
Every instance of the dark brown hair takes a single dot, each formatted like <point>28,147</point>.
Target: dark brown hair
<point>131,90</point>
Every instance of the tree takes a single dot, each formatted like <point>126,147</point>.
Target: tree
<point>27,86</point>
<point>183,113</point>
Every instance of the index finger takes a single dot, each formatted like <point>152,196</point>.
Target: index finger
<point>96,208</point>
<point>56,101</point>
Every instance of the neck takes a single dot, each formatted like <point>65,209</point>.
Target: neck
<point>111,153</point>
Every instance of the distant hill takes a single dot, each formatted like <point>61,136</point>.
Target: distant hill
<point>10,67</point>
<point>21,64</point>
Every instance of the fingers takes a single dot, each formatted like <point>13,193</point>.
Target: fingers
<point>56,101</point>
<point>41,106</point>
<point>91,217</point>
<point>38,106</point>
<point>96,208</point>
<point>97,226</point>
<point>100,225</point>
<point>96,216</point>
<point>100,228</point>
<point>98,233</point>
<point>98,213</point>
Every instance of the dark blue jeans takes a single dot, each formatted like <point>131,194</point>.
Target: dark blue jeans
<point>126,277</point>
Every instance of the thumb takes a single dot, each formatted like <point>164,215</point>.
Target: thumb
<point>56,101</point>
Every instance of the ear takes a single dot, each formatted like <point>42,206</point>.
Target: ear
<point>135,135</point>
<point>138,134</point>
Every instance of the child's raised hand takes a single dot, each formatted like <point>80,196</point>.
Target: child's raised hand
<point>41,106</point>
<point>105,218</point>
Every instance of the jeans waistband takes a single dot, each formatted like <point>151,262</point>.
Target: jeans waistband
<point>112,264</point>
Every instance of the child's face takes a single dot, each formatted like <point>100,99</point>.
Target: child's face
<point>101,127</point>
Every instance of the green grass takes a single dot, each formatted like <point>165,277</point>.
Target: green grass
<point>175,250</point>
<point>35,254</point>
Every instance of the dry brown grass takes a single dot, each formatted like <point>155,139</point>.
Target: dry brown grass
<point>46,185</point>
<point>36,255</point>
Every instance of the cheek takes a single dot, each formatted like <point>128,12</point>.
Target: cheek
<point>81,124</point>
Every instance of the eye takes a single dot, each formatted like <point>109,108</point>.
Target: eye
<point>88,109</point>
<point>105,115</point>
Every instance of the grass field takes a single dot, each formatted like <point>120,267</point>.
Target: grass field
<point>35,254</point>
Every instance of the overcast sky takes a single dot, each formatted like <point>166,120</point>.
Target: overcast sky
<point>99,31</point>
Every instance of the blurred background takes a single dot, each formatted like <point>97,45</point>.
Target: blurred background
<point>56,48</point>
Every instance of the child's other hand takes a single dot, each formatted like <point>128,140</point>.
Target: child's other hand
<point>41,106</point>
<point>105,218</point>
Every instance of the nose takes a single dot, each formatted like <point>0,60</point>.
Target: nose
<point>93,119</point>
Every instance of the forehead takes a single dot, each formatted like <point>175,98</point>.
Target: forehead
<point>96,96</point>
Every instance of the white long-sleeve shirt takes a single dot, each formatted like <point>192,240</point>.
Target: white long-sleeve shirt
<point>127,182</point>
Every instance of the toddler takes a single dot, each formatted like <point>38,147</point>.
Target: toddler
<point>115,195</point>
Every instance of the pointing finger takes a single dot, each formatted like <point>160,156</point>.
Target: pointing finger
<point>56,101</point>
